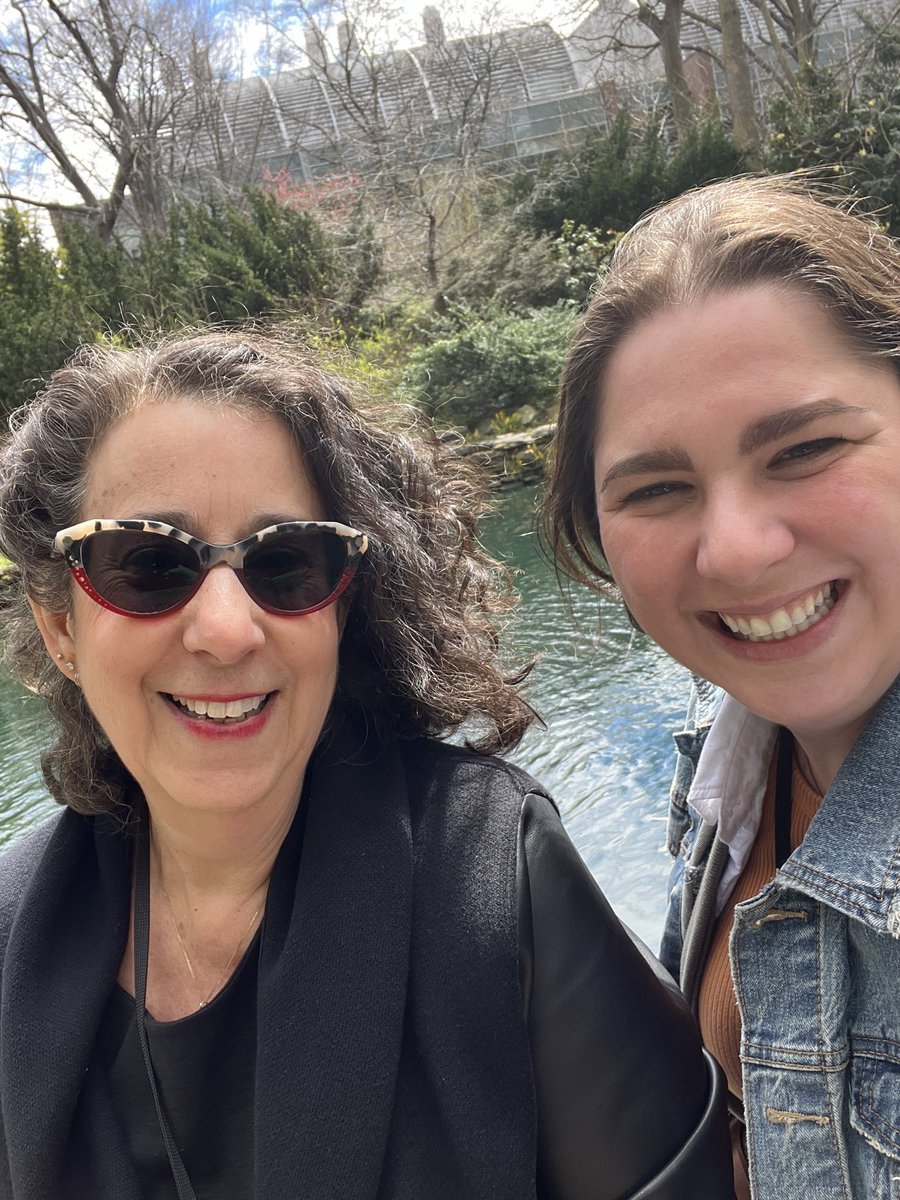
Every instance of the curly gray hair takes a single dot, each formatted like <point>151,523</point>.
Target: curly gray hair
<point>419,652</point>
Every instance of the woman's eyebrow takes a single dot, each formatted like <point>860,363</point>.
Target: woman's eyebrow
<point>648,462</point>
<point>177,518</point>
<point>778,424</point>
<point>758,434</point>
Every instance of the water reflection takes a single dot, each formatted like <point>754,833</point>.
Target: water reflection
<point>24,729</point>
<point>609,697</point>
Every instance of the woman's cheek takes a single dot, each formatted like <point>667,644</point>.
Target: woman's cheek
<point>628,553</point>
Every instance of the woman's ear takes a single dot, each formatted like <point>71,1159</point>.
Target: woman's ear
<point>56,630</point>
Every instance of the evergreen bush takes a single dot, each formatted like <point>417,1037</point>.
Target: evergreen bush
<point>614,177</point>
<point>218,261</point>
<point>41,320</point>
<point>482,360</point>
<point>854,135</point>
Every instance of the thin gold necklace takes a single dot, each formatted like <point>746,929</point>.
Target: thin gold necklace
<point>187,958</point>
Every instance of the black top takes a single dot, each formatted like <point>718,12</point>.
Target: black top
<point>205,1068</point>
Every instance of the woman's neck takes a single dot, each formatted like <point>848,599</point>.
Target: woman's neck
<point>821,755</point>
<point>205,856</point>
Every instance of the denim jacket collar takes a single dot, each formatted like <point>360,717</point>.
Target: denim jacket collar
<point>850,857</point>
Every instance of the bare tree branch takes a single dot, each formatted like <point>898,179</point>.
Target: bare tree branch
<point>101,85</point>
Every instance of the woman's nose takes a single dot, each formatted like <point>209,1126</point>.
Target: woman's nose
<point>221,619</point>
<point>741,537</point>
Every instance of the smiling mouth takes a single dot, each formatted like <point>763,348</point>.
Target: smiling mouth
<point>782,623</point>
<point>221,712</point>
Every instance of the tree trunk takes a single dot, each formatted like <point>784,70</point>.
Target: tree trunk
<point>803,25</point>
<point>667,29</point>
<point>745,125</point>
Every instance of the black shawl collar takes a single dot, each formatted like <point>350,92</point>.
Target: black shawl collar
<point>332,986</point>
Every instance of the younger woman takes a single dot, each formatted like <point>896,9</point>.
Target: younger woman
<point>729,456</point>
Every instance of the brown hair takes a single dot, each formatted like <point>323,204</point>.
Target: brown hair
<point>728,235</point>
<point>419,648</point>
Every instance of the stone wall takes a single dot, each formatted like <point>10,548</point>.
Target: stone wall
<point>513,459</point>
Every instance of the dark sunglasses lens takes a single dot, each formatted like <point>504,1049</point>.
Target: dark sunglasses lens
<point>295,571</point>
<point>140,572</point>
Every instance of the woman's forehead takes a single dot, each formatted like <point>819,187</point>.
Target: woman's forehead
<point>732,357</point>
<point>189,455</point>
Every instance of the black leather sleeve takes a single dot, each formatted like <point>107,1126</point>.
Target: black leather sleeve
<point>629,1106</point>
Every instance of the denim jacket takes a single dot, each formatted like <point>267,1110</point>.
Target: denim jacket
<point>815,956</point>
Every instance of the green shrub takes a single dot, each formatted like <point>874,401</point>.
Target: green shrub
<point>616,176</point>
<point>379,342</point>
<point>518,269</point>
<point>41,321</point>
<point>705,153</point>
<point>480,361</point>
<point>854,135</point>
<point>233,260</point>
<point>219,261</point>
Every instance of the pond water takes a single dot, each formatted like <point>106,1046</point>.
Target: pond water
<point>609,699</point>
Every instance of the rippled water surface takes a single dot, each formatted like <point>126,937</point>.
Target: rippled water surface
<point>23,730</point>
<point>610,700</point>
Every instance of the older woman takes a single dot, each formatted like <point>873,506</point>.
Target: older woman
<point>729,456</point>
<point>284,941</point>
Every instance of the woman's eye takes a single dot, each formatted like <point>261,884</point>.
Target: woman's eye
<point>665,489</point>
<point>807,451</point>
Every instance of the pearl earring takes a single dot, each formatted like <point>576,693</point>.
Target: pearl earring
<point>70,667</point>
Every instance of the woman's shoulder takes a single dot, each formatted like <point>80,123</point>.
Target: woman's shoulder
<point>19,860</point>
<point>466,810</point>
<point>481,778</point>
<point>18,864</point>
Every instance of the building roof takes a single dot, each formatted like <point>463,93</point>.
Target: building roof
<point>509,91</point>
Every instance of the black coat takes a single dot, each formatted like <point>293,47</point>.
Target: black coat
<point>446,1007</point>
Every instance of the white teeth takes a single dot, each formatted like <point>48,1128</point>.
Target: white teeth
<point>221,710</point>
<point>781,623</point>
